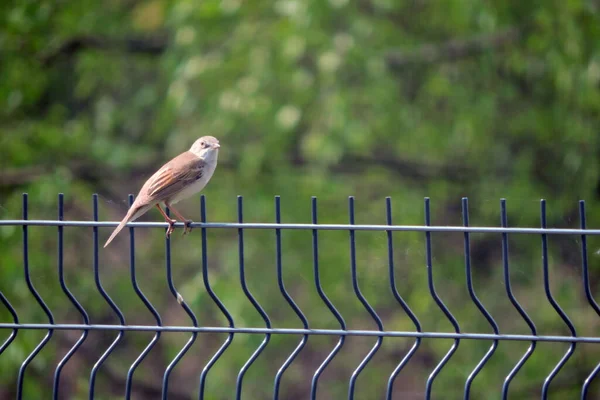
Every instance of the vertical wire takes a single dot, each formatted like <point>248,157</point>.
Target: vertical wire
<point>363,300</point>
<point>15,317</point>
<point>289,300</point>
<point>39,300</point>
<point>440,304</point>
<point>186,308</point>
<point>149,306</point>
<point>588,291</point>
<point>261,311</point>
<point>67,292</point>
<point>215,299</point>
<point>554,304</point>
<point>475,299</point>
<point>400,300</point>
<point>514,302</point>
<point>108,300</point>
<point>328,303</point>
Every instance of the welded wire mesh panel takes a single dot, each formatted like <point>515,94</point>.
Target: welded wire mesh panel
<point>264,310</point>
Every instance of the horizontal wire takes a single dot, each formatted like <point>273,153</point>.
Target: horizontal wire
<point>299,331</point>
<point>246,225</point>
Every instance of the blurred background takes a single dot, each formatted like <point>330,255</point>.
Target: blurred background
<point>372,98</point>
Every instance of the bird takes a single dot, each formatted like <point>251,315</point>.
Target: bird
<point>180,178</point>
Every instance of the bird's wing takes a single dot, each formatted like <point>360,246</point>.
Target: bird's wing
<point>175,175</point>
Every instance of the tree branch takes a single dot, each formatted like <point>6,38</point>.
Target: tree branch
<point>150,45</point>
<point>409,169</point>
<point>454,49</point>
<point>89,172</point>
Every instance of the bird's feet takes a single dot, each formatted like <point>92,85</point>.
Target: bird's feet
<point>187,228</point>
<point>171,227</point>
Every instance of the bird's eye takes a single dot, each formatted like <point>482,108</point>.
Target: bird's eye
<point>203,144</point>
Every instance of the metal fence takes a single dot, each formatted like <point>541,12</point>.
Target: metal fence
<point>17,325</point>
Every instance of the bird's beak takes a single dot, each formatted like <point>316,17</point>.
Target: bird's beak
<point>216,146</point>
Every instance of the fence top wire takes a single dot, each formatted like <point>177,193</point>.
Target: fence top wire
<point>299,226</point>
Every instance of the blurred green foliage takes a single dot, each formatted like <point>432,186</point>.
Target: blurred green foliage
<point>371,98</point>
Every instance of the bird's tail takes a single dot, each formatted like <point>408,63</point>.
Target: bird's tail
<point>133,213</point>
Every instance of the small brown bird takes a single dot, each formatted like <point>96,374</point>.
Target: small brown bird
<point>178,179</point>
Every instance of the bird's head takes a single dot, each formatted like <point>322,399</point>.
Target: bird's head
<point>206,148</point>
